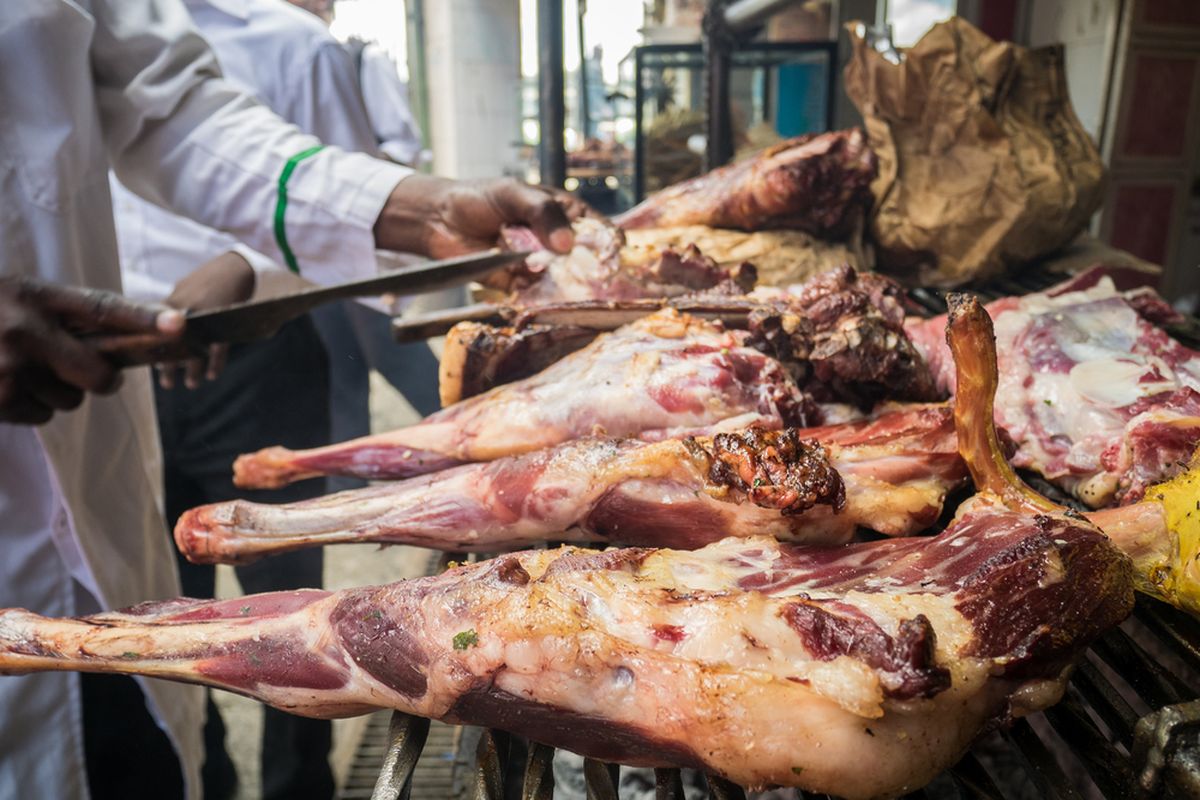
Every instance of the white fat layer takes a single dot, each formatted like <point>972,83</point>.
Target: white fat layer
<point>1118,382</point>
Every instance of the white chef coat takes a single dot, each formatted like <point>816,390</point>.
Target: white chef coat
<point>286,58</point>
<point>85,84</point>
<point>386,97</point>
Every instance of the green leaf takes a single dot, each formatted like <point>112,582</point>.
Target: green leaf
<point>465,639</point>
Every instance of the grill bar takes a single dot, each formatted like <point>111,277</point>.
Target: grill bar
<point>668,785</point>
<point>1039,763</point>
<point>973,781</point>
<point>1106,701</point>
<point>602,780</point>
<point>1105,764</point>
<point>721,789</point>
<point>406,740</point>
<point>1152,682</point>
<point>1173,627</point>
<point>539,773</point>
<point>491,758</point>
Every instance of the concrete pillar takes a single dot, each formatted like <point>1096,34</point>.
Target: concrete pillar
<point>472,57</point>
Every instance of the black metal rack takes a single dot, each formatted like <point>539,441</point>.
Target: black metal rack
<point>693,56</point>
<point>1127,727</point>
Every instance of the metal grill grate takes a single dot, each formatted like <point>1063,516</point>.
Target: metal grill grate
<point>1128,726</point>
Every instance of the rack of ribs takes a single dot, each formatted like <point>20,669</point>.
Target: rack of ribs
<point>761,662</point>
<point>1097,398</point>
<point>891,473</point>
<point>818,183</point>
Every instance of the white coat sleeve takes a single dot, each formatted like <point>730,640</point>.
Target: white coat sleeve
<point>180,136</point>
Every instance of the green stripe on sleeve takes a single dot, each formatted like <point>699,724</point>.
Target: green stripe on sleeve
<point>281,200</point>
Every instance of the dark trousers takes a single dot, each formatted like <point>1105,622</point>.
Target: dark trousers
<point>126,754</point>
<point>271,392</point>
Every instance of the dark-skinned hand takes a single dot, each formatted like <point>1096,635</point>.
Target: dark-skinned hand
<point>222,281</point>
<point>442,218</point>
<point>46,362</point>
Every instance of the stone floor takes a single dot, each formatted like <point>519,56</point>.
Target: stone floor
<point>345,566</point>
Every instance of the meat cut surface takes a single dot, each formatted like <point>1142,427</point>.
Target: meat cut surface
<point>842,334</point>
<point>1096,397</point>
<point>477,357</point>
<point>803,485</point>
<point>818,183</point>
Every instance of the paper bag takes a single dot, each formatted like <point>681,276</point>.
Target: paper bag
<point>983,165</point>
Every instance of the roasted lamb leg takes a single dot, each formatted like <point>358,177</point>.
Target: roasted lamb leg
<point>762,662</point>
<point>666,375</point>
<point>663,376</point>
<point>891,473</point>
<point>1096,397</point>
<point>601,266</point>
<point>818,183</point>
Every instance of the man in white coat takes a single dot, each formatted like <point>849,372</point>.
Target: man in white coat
<point>89,84</point>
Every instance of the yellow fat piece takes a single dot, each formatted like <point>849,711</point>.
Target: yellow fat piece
<point>1180,498</point>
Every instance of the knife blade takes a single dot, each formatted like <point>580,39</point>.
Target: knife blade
<point>600,315</point>
<point>258,319</point>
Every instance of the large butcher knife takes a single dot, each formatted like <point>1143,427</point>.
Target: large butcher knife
<point>259,319</point>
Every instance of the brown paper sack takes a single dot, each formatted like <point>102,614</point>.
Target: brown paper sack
<point>983,165</point>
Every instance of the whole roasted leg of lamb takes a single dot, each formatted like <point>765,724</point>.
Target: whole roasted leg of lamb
<point>761,662</point>
<point>666,375</point>
<point>817,183</point>
<point>890,473</point>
